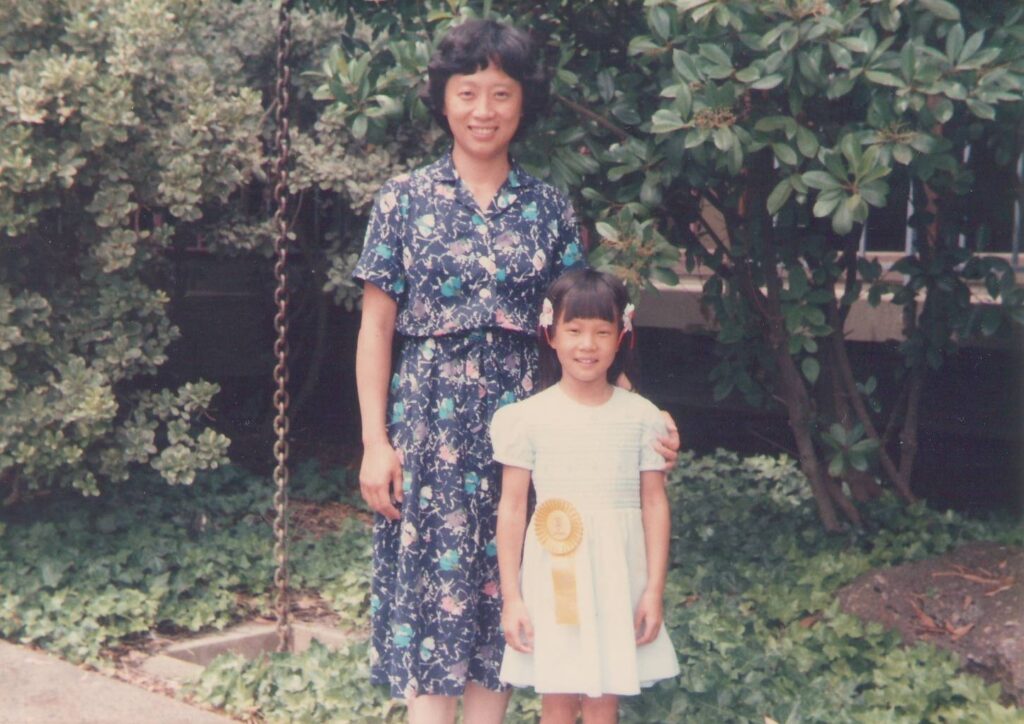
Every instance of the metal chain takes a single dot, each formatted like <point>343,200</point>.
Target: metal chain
<point>281,399</point>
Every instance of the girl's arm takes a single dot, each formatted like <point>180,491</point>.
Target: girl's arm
<point>655,513</point>
<point>380,475</point>
<point>515,619</point>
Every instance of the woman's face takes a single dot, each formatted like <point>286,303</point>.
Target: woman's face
<point>483,111</point>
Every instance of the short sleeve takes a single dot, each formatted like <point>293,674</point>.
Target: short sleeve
<point>653,427</point>
<point>381,260</point>
<point>568,249</point>
<point>510,438</point>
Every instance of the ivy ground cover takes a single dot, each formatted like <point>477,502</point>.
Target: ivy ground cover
<point>750,603</point>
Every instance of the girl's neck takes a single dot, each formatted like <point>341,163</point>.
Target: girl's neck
<point>591,394</point>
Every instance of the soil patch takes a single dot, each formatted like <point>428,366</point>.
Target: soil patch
<point>969,601</point>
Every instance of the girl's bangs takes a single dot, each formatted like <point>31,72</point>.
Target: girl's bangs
<point>589,301</point>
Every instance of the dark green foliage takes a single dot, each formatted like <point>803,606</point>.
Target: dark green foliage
<point>78,577</point>
<point>750,603</point>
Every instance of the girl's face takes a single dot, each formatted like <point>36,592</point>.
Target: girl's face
<point>483,111</point>
<point>586,349</point>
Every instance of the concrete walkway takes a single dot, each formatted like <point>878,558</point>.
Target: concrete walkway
<point>36,687</point>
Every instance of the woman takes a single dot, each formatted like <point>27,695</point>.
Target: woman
<point>456,258</point>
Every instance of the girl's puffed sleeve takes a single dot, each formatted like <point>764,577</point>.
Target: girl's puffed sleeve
<point>381,260</point>
<point>568,249</point>
<point>653,427</point>
<point>510,438</point>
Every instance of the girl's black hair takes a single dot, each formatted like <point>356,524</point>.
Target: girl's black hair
<point>476,44</point>
<point>587,294</point>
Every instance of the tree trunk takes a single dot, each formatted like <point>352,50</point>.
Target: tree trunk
<point>844,368</point>
<point>800,412</point>
<point>908,434</point>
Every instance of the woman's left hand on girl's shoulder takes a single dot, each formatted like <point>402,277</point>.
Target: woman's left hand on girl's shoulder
<point>668,445</point>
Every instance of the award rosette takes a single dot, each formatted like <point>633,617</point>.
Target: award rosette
<point>559,528</point>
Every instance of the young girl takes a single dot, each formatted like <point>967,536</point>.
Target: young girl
<point>583,618</point>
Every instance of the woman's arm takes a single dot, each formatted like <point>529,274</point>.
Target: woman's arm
<point>515,619</point>
<point>655,514</point>
<point>380,475</point>
<point>667,445</point>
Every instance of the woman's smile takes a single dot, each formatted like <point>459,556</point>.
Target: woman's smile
<point>483,111</point>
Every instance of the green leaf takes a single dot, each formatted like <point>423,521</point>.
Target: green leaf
<point>748,74</point>
<point>687,5</point>
<point>981,109</point>
<point>842,219</point>
<point>724,138</point>
<point>715,54</point>
<point>661,23</point>
<point>941,8</point>
<point>606,231</point>
<point>768,82</point>
<point>785,153</point>
<point>666,121</point>
<point>827,202</point>
<point>606,85</point>
<point>779,196</point>
<point>643,45</point>
<point>811,368</point>
<point>806,141</point>
<point>884,78</point>
<point>821,180</point>
<point>359,126</point>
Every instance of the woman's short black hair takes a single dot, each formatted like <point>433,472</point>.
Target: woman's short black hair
<point>586,293</point>
<point>473,46</point>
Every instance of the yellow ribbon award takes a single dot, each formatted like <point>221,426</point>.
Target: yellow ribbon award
<point>559,528</point>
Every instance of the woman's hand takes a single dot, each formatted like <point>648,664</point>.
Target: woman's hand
<point>380,478</point>
<point>668,446</point>
<point>515,622</point>
<point>649,617</point>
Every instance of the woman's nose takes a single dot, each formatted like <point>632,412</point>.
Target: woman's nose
<point>483,106</point>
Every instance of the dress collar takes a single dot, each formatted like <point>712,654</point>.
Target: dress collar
<point>444,170</point>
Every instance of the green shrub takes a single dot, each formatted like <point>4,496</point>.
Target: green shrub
<point>750,602</point>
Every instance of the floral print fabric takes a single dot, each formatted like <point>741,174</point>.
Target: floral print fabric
<point>468,286</point>
<point>453,268</point>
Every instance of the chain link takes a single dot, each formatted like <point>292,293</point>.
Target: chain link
<point>281,399</point>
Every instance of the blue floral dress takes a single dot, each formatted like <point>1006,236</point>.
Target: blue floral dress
<point>468,285</point>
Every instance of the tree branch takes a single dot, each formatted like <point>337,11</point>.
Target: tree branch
<point>593,116</point>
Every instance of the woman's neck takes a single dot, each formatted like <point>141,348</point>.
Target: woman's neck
<point>482,176</point>
<point>593,393</point>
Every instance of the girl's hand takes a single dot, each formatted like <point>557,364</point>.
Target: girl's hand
<point>515,622</point>
<point>648,618</point>
<point>668,446</point>
<point>380,478</point>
